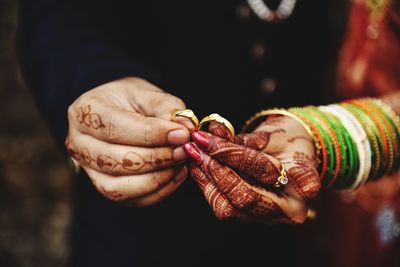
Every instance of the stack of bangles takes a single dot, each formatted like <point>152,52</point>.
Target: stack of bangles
<point>356,141</point>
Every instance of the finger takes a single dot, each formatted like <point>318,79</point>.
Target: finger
<point>264,168</point>
<point>222,208</point>
<point>240,194</point>
<point>300,167</point>
<point>186,122</point>
<point>219,130</point>
<point>220,205</point>
<point>133,186</point>
<point>243,196</point>
<point>117,159</point>
<point>304,180</point>
<point>161,194</point>
<point>114,124</point>
<point>256,140</point>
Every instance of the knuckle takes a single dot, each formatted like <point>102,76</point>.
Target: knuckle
<point>112,131</point>
<point>178,102</point>
<point>147,135</point>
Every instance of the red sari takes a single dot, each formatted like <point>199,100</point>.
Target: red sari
<point>362,228</point>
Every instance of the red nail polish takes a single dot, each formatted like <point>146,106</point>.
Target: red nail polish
<point>193,152</point>
<point>201,139</point>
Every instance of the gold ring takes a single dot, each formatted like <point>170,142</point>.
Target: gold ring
<point>282,179</point>
<point>217,118</point>
<point>187,113</point>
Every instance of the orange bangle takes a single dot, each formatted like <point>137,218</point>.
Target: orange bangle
<point>335,142</point>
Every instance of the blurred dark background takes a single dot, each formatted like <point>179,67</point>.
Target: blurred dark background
<point>34,176</point>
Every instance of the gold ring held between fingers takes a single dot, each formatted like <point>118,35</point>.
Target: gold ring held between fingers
<point>217,118</point>
<point>282,179</point>
<point>187,113</point>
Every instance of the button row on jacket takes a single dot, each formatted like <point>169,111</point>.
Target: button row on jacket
<point>268,85</point>
<point>258,51</point>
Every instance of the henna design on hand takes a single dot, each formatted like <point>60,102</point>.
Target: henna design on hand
<point>243,159</point>
<point>295,138</point>
<point>224,210</point>
<point>86,117</point>
<point>219,130</point>
<point>112,195</point>
<point>305,180</point>
<point>302,158</point>
<point>221,207</point>
<point>257,140</point>
<point>131,161</point>
<point>278,119</point>
<point>239,193</point>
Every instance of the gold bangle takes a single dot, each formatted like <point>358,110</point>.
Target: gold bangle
<point>217,118</point>
<point>248,125</point>
<point>187,113</point>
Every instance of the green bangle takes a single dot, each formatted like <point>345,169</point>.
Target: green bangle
<point>352,157</point>
<point>340,136</point>
<point>328,144</point>
<point>368,126</point>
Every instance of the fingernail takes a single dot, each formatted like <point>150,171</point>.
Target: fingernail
<point>201,139</point>
<point>181,175</point>
<point>179,154</point>
<point>178,137</point>
<point>193,151</point>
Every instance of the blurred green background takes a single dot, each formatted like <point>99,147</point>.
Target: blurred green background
<point>34,176</point>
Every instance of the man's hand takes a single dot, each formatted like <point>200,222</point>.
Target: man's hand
<point>238,178</point>
<point>121,134</point>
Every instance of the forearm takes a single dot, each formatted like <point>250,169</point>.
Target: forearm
<point>355,141</point>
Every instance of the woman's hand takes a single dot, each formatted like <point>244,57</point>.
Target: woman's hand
<point>122,136</point>
<point>238,178</point>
